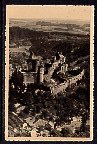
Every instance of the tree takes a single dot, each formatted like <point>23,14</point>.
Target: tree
<point>17,79</point>
<point>85,117</point>
<point>65,132</point>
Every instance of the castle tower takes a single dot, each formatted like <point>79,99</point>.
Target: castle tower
<point>40,74</point>
<point>64,68</point>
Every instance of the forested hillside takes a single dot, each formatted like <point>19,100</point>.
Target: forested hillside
<point>46,44</point>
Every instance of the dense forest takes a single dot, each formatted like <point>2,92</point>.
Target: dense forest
<point>59,109</point>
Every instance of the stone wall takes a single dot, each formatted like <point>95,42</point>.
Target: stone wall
<point>62,87</point>
<point>59,88</point>
<point>76,78</point>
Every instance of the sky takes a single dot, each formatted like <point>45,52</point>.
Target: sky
<point>61,12</point>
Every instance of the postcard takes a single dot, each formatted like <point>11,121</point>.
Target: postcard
<point>49,73</point>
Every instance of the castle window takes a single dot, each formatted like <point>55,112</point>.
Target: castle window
<point>62,68</point>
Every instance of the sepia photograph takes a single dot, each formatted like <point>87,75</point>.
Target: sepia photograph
<point>49,73</point>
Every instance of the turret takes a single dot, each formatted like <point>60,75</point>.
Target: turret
<point>62,59</point>
<point>66,67</point>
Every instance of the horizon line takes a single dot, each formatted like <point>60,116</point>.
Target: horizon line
<point>79,20</point>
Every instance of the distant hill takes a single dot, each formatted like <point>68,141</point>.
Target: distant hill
<point>52,25</point>
<point>46,44</point>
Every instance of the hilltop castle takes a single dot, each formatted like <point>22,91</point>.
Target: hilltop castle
<point>52,74</point>
<point>35,71</point>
